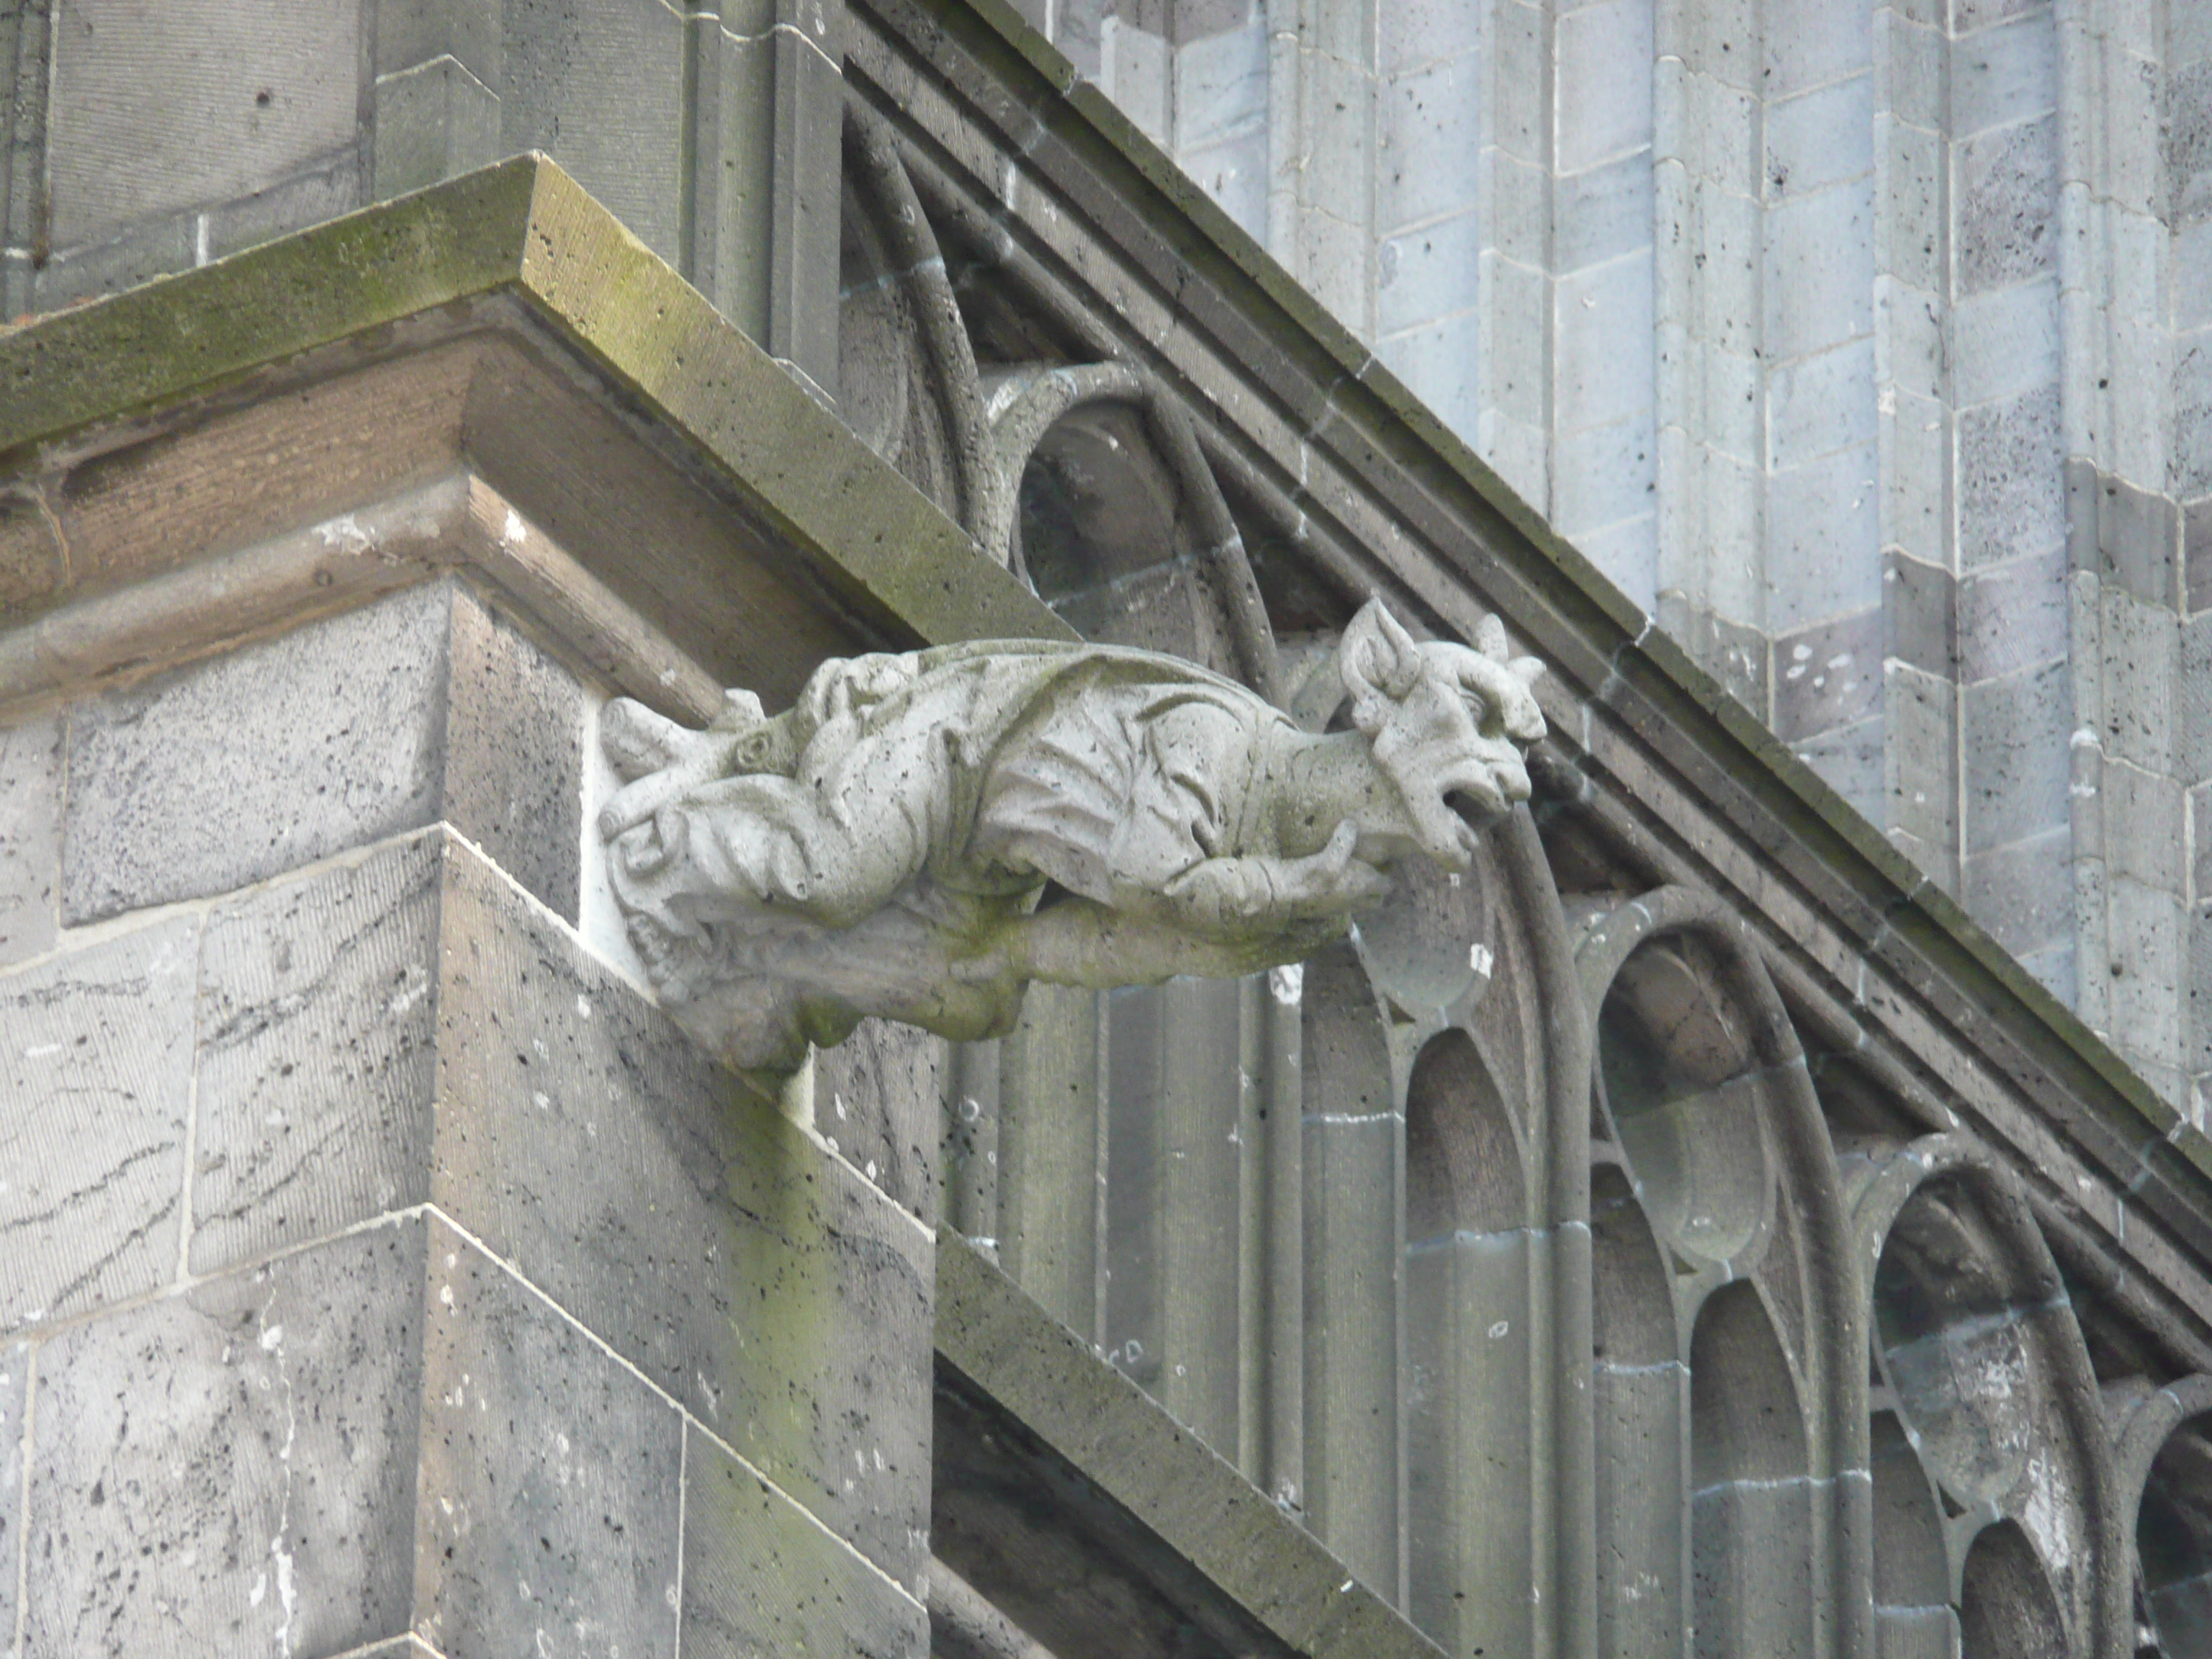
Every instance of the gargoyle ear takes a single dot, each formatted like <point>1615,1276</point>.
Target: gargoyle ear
<point>1489,638</point>
<point>1378,657</point>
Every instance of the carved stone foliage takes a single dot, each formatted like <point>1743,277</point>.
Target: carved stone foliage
<point>886,846</point>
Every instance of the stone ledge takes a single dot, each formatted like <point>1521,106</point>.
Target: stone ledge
<point>1254,1566</point>
<point>524,230</point>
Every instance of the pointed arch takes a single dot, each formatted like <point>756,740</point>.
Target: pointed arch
<point>1732,1133</point>
<point>1961,1285</point>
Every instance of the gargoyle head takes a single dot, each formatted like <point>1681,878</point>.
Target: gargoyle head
<point>1448,724</point>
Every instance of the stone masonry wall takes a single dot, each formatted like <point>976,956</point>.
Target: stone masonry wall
<point>374,1258</point>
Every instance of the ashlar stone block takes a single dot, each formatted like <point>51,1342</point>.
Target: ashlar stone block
<point>14,1399</point>
<point>250,93</point>
<point>764,1284</point>
<point>547,1508</point>
<point>2012,481</point>
<point>423,705</point>
<point>317,1017</point>
<point>231,1470</point>
<point>96,1081</point>
<point>599,86</point>
<point>2013,743</point>
<point>2009,205</point>
<point>1820,137</point>
<point>408,1027</point>
<point>761,1576</point>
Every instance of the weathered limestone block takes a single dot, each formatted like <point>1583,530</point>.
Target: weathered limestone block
<point>759,1576</point>
<point>318,1053</point>
<point>921,836</point>
<point>408,1027</point>
<point>14,1396</point>
<point>421,706</point>
<point>231,1470</point>
<point>95,1078</point>
<point>768,1286</point>
<point>547,1505</point>
<point>30,836</point>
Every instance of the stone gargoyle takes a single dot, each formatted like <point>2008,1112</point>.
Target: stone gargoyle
<point>921,836</point>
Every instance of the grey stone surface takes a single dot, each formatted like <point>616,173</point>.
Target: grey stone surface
<point>412,32</point>
<point>515,752</point>
<point>2142,672</point>
<point>878,1098</point>
<point>2142,826</point>
<point>761,1576</point>
<point>233,1470</point>
<point>2012,616</point>
<point>15,1398</point>
<point>275,210</point>
<point>212,776</point>
<point>317,1017</point>
<point>599,86</point>
<point>1821,404</point>
<point>761,1282</point>
<point>2197,553</point>
<point>2011,492</point>
<point>2014,740</point>
<point>1604,54</point>
<point>135,256</point>
<point>95,1082</point>
<point>2023,893</point>
<point>1919,606</point>
<point>2189,471</point>
<point>2003,343</point>
<point>1819,288</point>
<point>1808,43</point>
<point>434,120</point>
<point>2187,132</point>
<point>1601,214</point>
<point>2146,955</point>
<point>2009,204</point>
<point>546,1517</point>
<point>30,834</point>
<point>420,705</point>
<point>2006,73</point>
<point>1429,273</point>
<point>1849,759</point>
<point>2138,537</point>
<point>250,93</point>
<point>1827,676</point>
<point>1822,534</point>
<point>1420,115</point>
<point>1820,137</point>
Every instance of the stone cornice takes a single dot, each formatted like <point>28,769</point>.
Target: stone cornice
<point>524,228</point>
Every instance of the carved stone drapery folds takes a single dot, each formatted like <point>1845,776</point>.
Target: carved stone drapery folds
<point>921,836</point>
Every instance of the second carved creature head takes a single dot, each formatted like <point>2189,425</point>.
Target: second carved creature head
<point>1447,724</point>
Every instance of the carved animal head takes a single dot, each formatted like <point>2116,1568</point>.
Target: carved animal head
<point>1448,724</point>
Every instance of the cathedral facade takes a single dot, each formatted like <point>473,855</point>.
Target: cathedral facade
<point>1755,1206</point>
